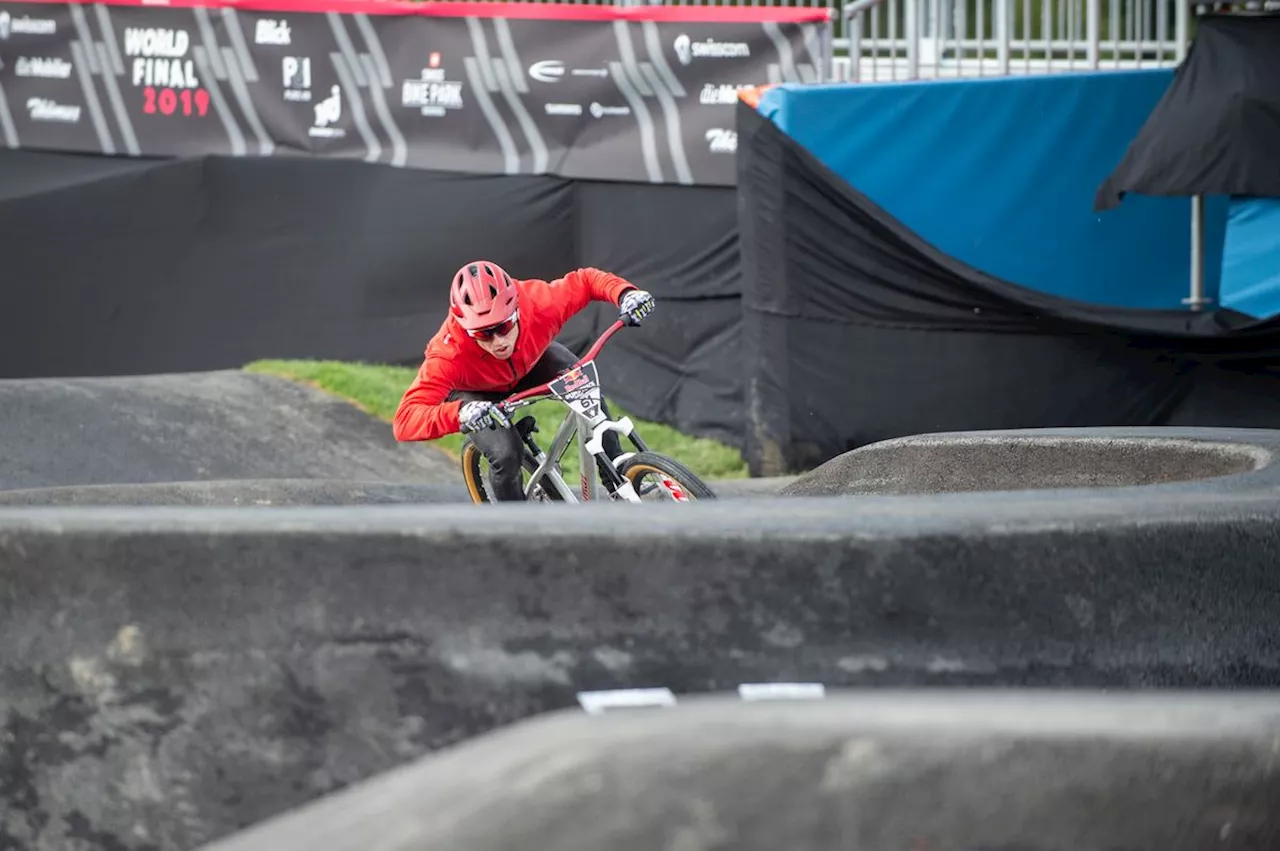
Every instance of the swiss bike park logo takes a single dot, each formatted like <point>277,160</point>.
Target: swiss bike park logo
<point>433,94</point>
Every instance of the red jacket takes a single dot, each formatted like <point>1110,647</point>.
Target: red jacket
<point>454,361</point>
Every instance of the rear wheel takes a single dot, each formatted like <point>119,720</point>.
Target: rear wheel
<point>475,472</point>
<point>654,474</point>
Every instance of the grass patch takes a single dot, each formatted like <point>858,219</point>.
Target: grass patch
<point>377,389</point>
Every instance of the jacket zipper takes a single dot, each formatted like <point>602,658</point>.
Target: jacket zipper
<point>515,376</point>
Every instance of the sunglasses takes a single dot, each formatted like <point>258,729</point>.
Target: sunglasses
<point>500,330</point>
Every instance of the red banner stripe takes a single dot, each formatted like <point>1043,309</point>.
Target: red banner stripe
<point>532,10</point>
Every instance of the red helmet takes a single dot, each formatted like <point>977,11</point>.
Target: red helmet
<point>482,294</point>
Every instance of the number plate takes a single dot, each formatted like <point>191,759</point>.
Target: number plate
<point>579,388</point>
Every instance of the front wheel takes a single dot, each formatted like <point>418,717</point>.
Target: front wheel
<point>474,473</point>
<point>652,473</point>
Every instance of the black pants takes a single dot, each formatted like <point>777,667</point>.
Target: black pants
<point>502,445</point>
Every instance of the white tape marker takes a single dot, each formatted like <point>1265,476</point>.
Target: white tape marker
<point>782,691</point>
<point>595,702</point>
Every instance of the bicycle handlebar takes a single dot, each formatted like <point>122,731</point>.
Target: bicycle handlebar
<point>541,389</point>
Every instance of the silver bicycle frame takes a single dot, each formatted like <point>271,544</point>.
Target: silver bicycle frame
<point>579,422</point>
<point>585,401</point>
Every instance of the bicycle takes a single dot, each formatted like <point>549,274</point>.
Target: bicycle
<point>579,389</point>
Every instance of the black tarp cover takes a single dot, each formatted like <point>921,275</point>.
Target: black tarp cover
<point>856,330</point>
<point>118,266</point>
<point>1216,131</point>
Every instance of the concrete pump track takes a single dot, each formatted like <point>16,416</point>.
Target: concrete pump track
<point>236,615</point>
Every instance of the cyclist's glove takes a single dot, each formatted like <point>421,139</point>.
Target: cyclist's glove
<point>475,416</point>
<point>636,305</point>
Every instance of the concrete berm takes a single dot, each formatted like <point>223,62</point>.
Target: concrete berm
<point>874,772</point>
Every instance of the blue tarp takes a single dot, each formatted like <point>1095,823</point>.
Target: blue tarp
<point>1001,174</point>
<point>1251,257</point>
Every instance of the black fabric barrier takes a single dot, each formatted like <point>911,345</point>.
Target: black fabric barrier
<point>206,263</point>
<point>856,330</point>
<point>1216,131</point>
<point>116,266</point>
<point>685,366</point>
<point>596,93</point>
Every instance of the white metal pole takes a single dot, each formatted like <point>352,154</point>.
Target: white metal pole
<point>1002,36</point>
<point>1093,31</point>
<point>1196,299</point>
<point>913,38</point>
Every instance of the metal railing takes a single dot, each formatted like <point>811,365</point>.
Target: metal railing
<point>887,40</point>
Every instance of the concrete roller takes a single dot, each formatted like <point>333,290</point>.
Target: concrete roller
<point>1038,459</point>
<point>173,674</point>
<point>976,771</point>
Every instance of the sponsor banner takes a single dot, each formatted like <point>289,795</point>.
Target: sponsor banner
<point>527,89</point>
<point>646,122</point>
<point>619,99</point>
<point>43,80</point>
<point>165,79</point>
<point>306,83</point>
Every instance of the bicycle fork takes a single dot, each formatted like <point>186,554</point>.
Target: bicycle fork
<point>618,485</point>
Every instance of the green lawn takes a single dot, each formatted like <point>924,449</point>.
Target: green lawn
<point>377,389</point>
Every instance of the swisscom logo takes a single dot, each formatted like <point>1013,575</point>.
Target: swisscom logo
<point>688,50</point>
<point>26,25</point>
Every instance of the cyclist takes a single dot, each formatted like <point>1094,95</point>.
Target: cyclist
<point>499,339</point>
